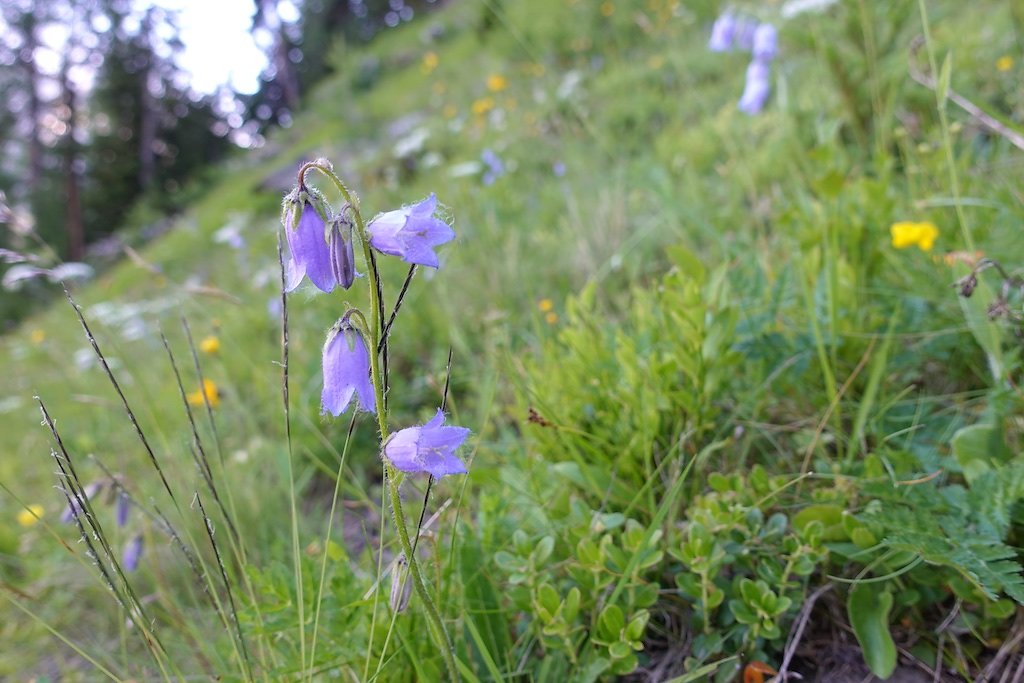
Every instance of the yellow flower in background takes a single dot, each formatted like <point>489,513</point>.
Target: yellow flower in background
<point>429,62</point>
<point>207,393</point>
<point>30,515</point>
<point>37,336</point>
<point>545,305</point>
<point>551,318</point>
<point>210,345</point>
<point>483,105</point>
<point>1004,63</point>
<point>607,9</point>
<point>909,234</point>
<point>496,83</point>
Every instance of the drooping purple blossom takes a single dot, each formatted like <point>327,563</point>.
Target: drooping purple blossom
<point>90,491</point>
<point>744,36</point>
<point>756,89</point>
<point>495,168</point>
<point>310,254</point>
<point>427,448</point>
<point>132,553</point>
<point>722,33</point>
<point>122,507</point>
<point>346,367</point>
<point>411,233</point>
<point>766,43</point>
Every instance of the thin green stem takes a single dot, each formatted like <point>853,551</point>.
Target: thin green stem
<point>947,143</point>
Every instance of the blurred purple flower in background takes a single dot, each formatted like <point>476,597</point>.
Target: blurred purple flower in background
<point>428,448</point>
<point>346,367</point>
<point>722,33</point>
<point>132,553</point>
<point>494,166</point>
<point>744,35</point>
<point>411,233</point>
<point>756,89</point>
<point>766,43</point>
<point>558,168</point>
<point>122,508</point>
<point>89,492</point>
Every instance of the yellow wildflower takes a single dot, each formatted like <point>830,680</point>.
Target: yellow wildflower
<point>429,62</point>
<point>551,318</point>
<point>607,9</point>
<point>207,393</point>
<point>1004,63</point>
<point>909,234</point>
<point>496,83</point>
<point>210,345</point>
<point>38,336</point>
<point>483,105</point>
<point>30,515</point>
<point>545,305</point>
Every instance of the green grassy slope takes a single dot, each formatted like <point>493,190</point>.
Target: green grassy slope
<point>623,95</point>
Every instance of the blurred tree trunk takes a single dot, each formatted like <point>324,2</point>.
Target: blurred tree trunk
<point>27,23</point>
<point>70,162</point>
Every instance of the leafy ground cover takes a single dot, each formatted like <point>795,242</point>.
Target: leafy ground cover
<point>730,414</point>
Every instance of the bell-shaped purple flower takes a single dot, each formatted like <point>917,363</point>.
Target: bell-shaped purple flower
<point>722,33</point>
<point>756,90</point>
<point>411,233</point>
<point>132,553</point>
<point>766,43</point>
<point>90,491</point>
<point>306,235</point>
<point>122,507</point>
<point>346,371</point>
<point>428,448</point>
<point>744,36</point>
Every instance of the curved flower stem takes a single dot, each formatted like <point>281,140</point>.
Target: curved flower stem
<point>394,478</point>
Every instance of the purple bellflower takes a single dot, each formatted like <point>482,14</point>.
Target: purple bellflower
<point>90,491</point>
<point>123,506</point>
<point>346,371</point>
<point>744,35</point>
<point>427,448</point>
<point>324,255</point>
<point>132,553</point>
<point>766,43</point>
<point>722,33</point>
<point>756,90</point>
<point>495,166</point>
<point>411,233</point>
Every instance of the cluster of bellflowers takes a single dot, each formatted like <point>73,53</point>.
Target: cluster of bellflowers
<point>761,40</point>
<point>110,491</point>
<point>322,242</point>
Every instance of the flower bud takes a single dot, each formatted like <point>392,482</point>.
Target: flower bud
<point>343,256</point>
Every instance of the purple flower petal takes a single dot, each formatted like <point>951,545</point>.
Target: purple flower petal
<point>722,33</point>
<point>132,553</point>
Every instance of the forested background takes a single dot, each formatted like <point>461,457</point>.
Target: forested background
<point>100,128</point>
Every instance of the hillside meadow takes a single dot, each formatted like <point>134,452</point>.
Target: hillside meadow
<point>742,388</point>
